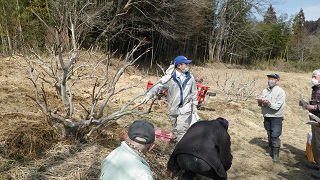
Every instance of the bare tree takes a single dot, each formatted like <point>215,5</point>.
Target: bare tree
<point>229,24</point>
<point>64,75</point>
<point>235,87</point>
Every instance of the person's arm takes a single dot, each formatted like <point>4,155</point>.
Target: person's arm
<point>225,151</point>
<point>314,104</point>
<point>156,89</point>
<point>172,167</point>
<point>194,93</point>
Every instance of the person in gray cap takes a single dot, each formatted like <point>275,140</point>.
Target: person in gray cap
<point>128,160</point>
<point>181,94</point>
<point>314,108</point>
<point>205,149</point>
<point>272,103</point>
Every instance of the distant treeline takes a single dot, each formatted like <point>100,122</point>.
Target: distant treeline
<point>204,30</point>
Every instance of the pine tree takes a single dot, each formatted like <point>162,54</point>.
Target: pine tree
<point>270,16</point>
<point>299,23</point>
<point>299,41</point>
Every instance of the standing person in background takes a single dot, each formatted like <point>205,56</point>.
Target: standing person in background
<point>181,94</point>
<point>314,108</point>
<point>205,149</point>
<point>127,162</point>
<point>273,104</point>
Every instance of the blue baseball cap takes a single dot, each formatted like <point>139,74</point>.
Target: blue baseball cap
<point>181,59</point>
<point>276,76</point>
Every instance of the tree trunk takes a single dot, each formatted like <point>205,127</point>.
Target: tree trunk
<point>221,31</point>
<point>9,39</point>
<point>211,47</point>
<point>7,30</point>
<point>4,44</point>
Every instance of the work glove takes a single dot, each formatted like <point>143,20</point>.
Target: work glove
<point>194,109</point>
<point>145,100</point>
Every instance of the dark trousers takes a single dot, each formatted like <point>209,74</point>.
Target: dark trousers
<point>273,125</point>
<point>193,166</point>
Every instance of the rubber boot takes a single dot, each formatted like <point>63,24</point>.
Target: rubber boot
<point>269,152</point>
<point>275,154</point>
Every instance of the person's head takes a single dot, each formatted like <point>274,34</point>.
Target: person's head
<point>315,77</point>
<point>181,64</point>
<point>273,80</point>
<point>141,134</point>
<point>223,122</point>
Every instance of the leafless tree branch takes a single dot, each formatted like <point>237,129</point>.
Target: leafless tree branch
<point>235,87</point>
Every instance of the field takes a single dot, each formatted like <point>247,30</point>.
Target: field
<point>28,151</point>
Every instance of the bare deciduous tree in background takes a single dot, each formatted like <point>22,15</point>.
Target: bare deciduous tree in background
<point>61,73</point>
<point>235,87</point>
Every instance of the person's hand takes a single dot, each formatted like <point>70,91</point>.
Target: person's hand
<point>310,107</point>
<point>265,102</point>
<point>168,172</point>
<point>259,102</point>
<point>145,100</point>
<point>194,109</point>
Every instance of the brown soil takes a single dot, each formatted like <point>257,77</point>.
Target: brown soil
<point>31,150</point>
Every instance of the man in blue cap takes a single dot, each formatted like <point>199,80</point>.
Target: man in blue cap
<point>272,103</point>
<point>181,94</point>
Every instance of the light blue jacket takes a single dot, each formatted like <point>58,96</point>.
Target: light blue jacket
<point>124,164</point>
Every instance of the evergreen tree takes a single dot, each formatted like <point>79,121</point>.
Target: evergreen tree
<point>298,48</point>
<point>299,23</point>
<point>270,16</point>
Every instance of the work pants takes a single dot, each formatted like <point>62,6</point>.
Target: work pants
<point>315,143</point>
<point>180,124</point>
<point>193,166</point>
<point>273,126</point>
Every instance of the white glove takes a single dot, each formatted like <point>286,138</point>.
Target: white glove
<point>170,69</point>
<point>145,100</point>
<point>168,75</point>
<point>194,109</point>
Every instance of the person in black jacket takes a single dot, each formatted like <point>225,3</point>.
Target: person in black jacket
<point>314,108</point>
<point>204,149</point>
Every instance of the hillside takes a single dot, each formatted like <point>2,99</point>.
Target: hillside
<point>22,125</point>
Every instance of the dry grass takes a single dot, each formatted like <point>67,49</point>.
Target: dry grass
<point>27,138</point>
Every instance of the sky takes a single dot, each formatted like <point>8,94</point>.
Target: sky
<point>311,8</point>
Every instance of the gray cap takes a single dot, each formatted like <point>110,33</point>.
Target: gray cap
<point>142,129</point>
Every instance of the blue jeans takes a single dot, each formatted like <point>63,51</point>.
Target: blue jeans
<point>273,125</point>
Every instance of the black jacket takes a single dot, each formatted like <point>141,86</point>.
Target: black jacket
<point>207,140</point>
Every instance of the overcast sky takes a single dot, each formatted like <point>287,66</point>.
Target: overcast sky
<point>311,8</point>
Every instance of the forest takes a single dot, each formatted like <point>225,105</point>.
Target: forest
<point>205,30</point>
<point>73,74</point>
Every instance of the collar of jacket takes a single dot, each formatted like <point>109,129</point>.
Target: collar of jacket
<point>181,86</point>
